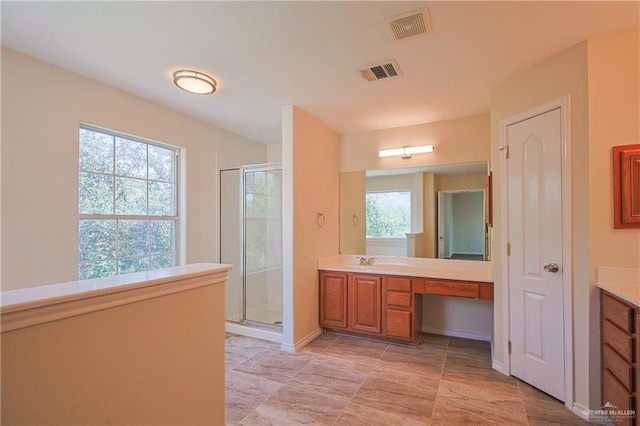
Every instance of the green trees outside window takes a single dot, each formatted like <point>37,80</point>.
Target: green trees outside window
<point>388,214</point>
<point>127,204</point>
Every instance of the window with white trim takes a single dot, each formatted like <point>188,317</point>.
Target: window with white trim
<point>388,214</point>
<point>127,203</point>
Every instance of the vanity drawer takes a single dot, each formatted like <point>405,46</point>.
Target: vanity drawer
<point>619,340</point>
<point>452,288</point>
<point>614,393</point>
<point>398,324</point>
<point>398,283</point>
<point>399,299</point>
<point>618,366</point>
<point>618,313</point>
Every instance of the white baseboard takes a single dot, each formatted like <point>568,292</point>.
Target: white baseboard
<point>287,347</point>
<point>455,333</point>
<point>498,366</point>
<point>593,416</point>
<point>580,411</point>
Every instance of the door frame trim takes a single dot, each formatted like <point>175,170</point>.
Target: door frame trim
<point>564,104</point>
<point>484,209</point>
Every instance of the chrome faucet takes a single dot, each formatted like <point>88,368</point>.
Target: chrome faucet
<point>366,262</point>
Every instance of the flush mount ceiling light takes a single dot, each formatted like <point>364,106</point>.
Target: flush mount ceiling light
<point>194,82</point>
<point>405,151</point>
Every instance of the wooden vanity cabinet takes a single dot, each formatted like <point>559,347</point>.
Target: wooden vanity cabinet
<point>457,288</point>
<point>637,363</point>
<point>364,305</point>
<point>398,308</point>
<point>620,325</point>
<point>351,302</point>
<point>368,304</point>
<point>333,299</point>
<point>383,305</point>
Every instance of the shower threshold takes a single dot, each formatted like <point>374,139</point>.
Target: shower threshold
<point>272,333</point>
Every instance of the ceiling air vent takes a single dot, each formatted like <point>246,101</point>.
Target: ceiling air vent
<point>409,24</point>
<point>380,71</point>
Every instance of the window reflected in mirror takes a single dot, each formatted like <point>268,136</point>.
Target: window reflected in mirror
<point>430,211</point>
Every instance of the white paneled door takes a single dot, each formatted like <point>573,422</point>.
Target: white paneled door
<point>535,262</point>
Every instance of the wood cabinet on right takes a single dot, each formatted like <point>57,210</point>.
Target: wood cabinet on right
<point>637,365</point>
<point>620,350</point>
<point>626,186</point>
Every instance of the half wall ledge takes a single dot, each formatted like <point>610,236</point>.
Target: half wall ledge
<point>38,305</point>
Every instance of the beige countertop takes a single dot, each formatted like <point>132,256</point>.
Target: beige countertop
<point>621,282</point>
<point>465,270</point>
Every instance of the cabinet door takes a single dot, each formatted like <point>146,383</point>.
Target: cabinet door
<point>616,394</point>
<point>399,324</point>
<point>626,186</point>
<point>364,303</point>
<point>333,299</point>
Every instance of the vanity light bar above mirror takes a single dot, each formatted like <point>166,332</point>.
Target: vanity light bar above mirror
<point>405,151</point>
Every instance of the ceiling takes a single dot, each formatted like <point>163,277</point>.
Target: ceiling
<point>268,54</point>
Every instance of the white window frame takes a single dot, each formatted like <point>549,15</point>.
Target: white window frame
<point>176,259</point>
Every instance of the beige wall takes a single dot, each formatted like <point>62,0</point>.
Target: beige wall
<point>560,75</point>
<point>461,140</point>
<point>274,153</point>
<point>311,186</point>
<point>457,316</point>
<point>158,361</point>
<point>601,77</point>
<point>352,202</point>
<point>614,119</point>
<point>42,106</point>
<point>452,183</point>
<point>614,111</point>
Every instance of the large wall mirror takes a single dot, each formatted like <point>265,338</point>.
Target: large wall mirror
<point>429,211</point>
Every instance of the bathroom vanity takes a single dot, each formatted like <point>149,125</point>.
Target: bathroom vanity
<point>620,335</point>
<point>382,300</point>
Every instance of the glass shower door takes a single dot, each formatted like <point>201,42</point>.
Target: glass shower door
<point>251,241</point>
<point>263,244</point>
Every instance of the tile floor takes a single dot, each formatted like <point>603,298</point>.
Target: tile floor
<point>342,380</point>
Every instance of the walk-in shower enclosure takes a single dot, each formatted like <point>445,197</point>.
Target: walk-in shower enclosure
<point>251,241</point>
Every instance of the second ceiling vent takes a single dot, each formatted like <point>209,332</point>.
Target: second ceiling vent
<point>381,70</point>
<point>409,25</point>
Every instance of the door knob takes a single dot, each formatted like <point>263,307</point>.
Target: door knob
<point>551,267</point>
